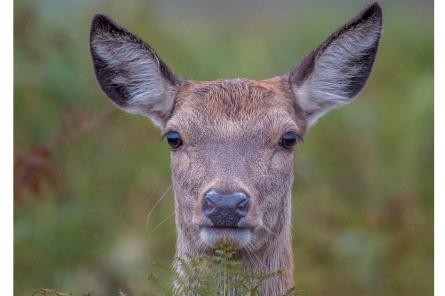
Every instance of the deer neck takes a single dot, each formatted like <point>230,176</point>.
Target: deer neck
<point>276,256</point>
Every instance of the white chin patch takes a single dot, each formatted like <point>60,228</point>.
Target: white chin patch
<point>214,236</point>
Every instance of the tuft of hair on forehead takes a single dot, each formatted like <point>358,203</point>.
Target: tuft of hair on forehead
<point>237,99</point>
<point>230,108</point>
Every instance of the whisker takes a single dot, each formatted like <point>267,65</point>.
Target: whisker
<point>163,221</point>
<point>156,204</point>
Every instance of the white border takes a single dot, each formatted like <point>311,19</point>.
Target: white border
<point>6,153</point>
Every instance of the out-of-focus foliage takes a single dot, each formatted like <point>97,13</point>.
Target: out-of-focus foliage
<point>86,183</point>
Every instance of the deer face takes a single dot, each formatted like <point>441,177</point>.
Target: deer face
<point>232,144</point>
<point>232,141</point>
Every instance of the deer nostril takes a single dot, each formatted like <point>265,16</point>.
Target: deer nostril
<point>208,206</point>
<point>225,210</point>
<point>243,207</point>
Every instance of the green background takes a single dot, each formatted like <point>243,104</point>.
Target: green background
<point>88,175</point>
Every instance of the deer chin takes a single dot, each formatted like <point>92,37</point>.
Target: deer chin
<point>236,237</point>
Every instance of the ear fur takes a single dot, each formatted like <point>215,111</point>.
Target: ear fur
<point>130,72</point>
<point>335,72</point>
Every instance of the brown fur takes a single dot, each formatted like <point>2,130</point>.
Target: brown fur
<point>231,131</point>
<point>236,147</point>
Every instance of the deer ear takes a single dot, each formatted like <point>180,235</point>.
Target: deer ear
<point>334,73</point>
<point>130,72</point>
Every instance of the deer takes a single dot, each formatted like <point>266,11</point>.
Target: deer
<point>232,141</point>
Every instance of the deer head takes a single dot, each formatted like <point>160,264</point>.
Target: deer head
<point>232,141</point>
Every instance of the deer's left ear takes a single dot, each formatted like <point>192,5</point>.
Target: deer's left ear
<point>334,73</point>
<point>130,72</point>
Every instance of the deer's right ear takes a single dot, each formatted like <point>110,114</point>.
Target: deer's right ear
<point>130,72</point>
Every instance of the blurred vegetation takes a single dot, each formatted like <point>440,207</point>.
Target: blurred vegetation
<point>87,176</point>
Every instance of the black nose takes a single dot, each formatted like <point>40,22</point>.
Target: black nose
<point>226,210</point>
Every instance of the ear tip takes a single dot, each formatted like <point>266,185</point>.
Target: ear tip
<point>101,22</point>
<point>373,11</point>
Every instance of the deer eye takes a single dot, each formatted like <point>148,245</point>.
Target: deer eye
<point>289,139</point>
<point>174,139</point>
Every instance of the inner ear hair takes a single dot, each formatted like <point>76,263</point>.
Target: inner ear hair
<point>335,72</point>
<point>130,72</point>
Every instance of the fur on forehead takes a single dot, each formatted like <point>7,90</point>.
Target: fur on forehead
<point>240,101</point>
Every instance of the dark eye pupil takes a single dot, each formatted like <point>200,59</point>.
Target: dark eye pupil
<point>289,139</point>
<point>174,140</point>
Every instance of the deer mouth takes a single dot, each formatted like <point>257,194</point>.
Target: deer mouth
<point>237,237</point>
